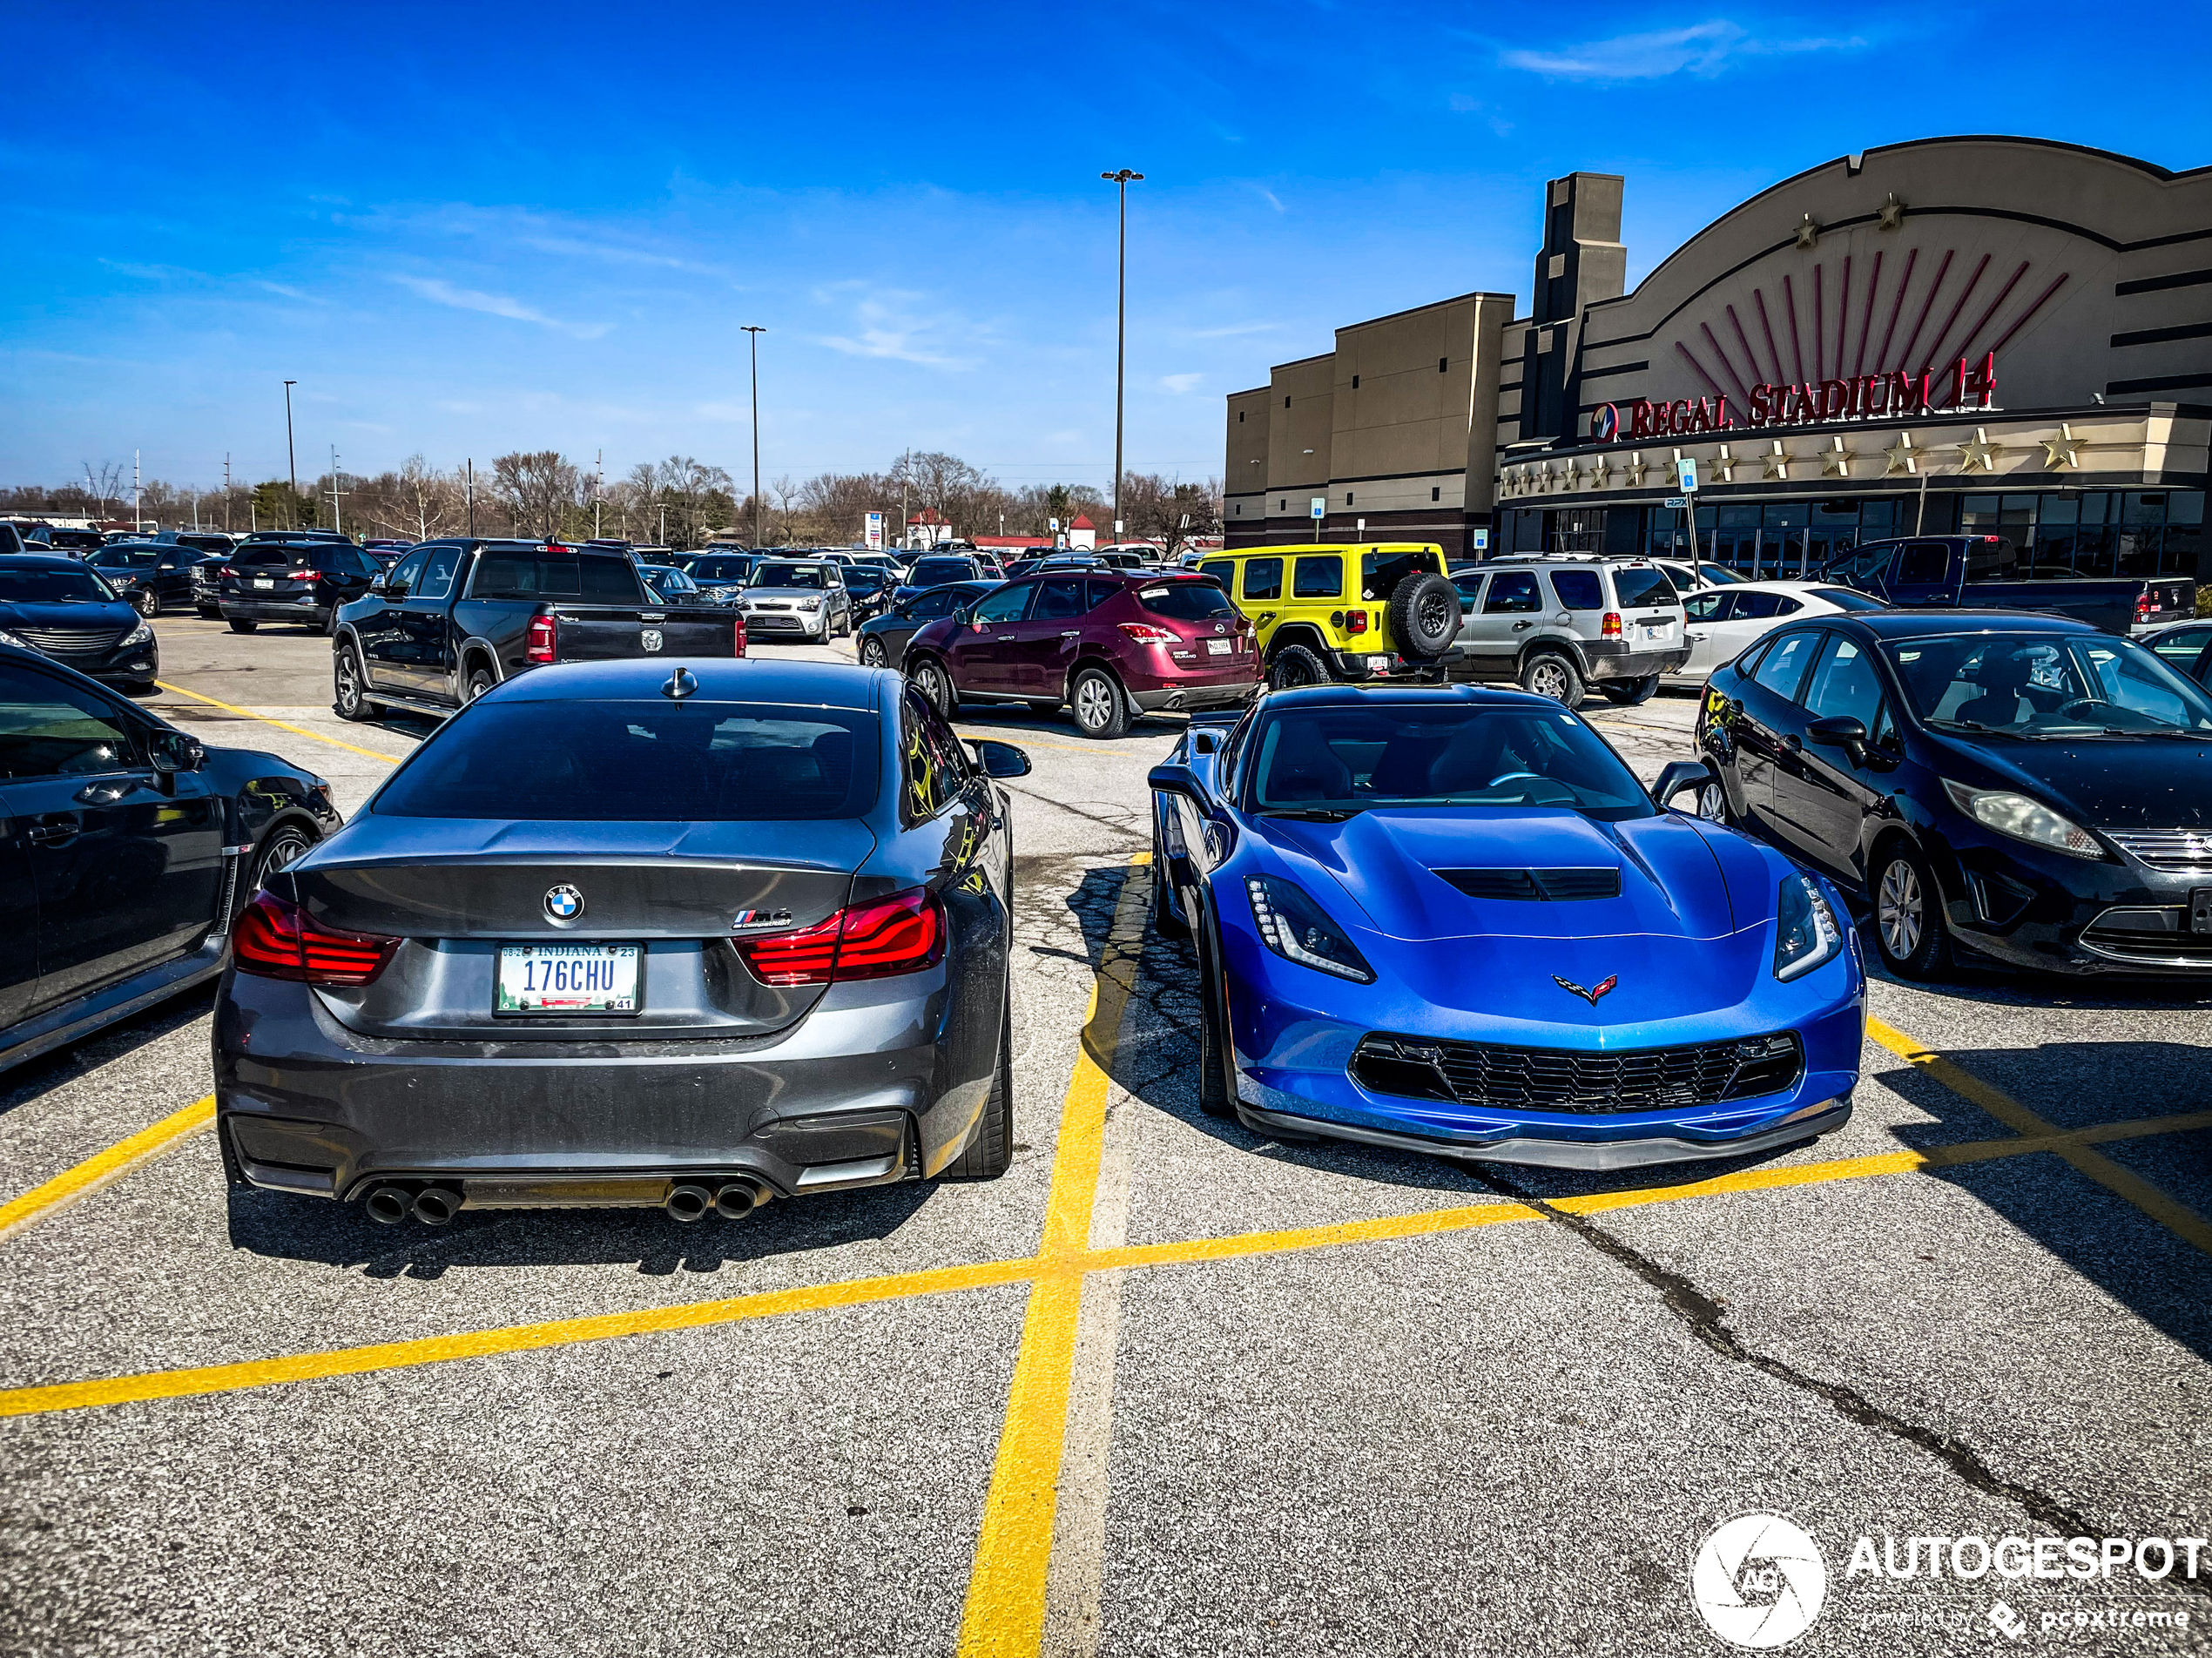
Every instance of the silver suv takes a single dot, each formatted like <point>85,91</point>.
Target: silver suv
<point>1558,625</point>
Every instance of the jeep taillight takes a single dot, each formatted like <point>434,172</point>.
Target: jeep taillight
<point>1356,621</point>
<point>1610,628</point>
<point>546,638</point>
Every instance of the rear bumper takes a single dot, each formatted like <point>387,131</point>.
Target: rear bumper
<point>1610,660</point>
<point>862,1091</point>
<point>1195,693</point>
<point>271,609</point>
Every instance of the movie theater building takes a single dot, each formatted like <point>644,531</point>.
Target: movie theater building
<point>1954,334</point>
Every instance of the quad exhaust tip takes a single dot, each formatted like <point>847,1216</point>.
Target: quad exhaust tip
<point>435,1206</point>
<point>688,1203</point>
<point>736,1199</point>
<point>389,1206</point>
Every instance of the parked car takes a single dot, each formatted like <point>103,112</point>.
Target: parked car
<point>2185,647</point>
<point>304,583</point>
<point>1983,571</point>
<point>693,941</point>
<point>882,639</point>
<point>1724,622</point>
<point>937,568</point>
<point>63,610</point>
<point>870,588</point>
<point>153,575</point>
<point>1559,626</point>
<point>1106,645</point>
<point>74,542</point>
<point>2025,788</point>
<point>386,552</point>
<point>1690,578</point>
<point>669,585</point>
<point>1448,919</point>
<point>453,619</point>
<point>134,844</point>
<point>201,541</point>
<point>721,576</point>
<point>806,598</point>
<point>1328,611</point>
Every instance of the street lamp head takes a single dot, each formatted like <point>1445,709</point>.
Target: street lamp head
<point>752,327</point>
<point>1125,177</point>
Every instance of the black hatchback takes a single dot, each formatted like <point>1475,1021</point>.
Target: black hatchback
<point>2025,788</point>
<point>300,582</point>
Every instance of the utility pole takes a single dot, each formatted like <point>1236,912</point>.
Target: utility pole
<point>291,457</point>
<point>756,331</point>
<point>226,491</point>
<point>135,518</point>
<point>1124,180</point>
<point>337,516</point>
<point>471,466</point>
<point>598,488</point>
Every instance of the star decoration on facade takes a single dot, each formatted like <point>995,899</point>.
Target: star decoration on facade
<point>1890,213</point>
<point>1979,452</point>
<point>1595,476</point>
<point>1808,232</point>
<point>1836,458</point>
<point>1777,462</point>
<point>1901,457</point>
<point>1724,465</point>
<point>2061,453</point>
<point>1634,468</point>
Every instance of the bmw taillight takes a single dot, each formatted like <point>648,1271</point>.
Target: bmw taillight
<point>1146,633</point>
<point>278,939</point>
<point>879,939</point>
<point>544,638</point>
<point>740,650</point>
<point>1610,628</point>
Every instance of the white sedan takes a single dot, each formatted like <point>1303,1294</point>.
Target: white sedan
<point>1724,622</point>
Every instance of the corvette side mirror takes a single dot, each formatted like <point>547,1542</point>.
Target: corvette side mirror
<point>1679,776</point>
<point>1176,780</point>
<point>1001,759</point>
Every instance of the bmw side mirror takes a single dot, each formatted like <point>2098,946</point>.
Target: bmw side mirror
<point>1001,759</point>
<point>1679,775</point>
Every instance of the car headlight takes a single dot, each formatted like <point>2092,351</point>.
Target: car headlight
<point>810,604</point>
<point>1298,930</point>
<point>2024,819</point>
<point>7,637</point>
<point>139,635</point>
<point>1806,931</point>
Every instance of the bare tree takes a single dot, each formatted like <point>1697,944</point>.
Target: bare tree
<point>537,489</point>
<point>1170,511</point>
<point>418,500</point>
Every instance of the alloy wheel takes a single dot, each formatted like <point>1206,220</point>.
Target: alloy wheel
<point>1548,679</point>
<point>1712,803</point>
<point>1900,911</point>
<point>871,653</point>
<point>1095,704</point>
<point>349,682</point>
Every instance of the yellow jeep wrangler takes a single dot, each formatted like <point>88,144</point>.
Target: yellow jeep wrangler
<point>1331,612</point>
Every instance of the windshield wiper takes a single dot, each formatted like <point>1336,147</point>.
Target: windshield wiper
<point>1311,814</point>
<point>1977,728</point>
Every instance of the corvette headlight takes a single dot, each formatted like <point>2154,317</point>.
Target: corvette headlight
<point>2024,819</point>
<point>1806,931</point>
<point>139,635</point>
<point>1298,930</point>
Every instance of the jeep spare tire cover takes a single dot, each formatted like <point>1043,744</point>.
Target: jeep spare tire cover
<point>1424,616</point>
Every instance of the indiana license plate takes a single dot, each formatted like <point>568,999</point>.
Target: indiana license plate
<point>1219,647</point>
<point>567,979</point>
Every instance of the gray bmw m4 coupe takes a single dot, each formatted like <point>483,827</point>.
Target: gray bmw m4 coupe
<point>620,935</point>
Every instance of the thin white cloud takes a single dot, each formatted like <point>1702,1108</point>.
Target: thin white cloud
<point>1180,383</point>
<point>1232,330</point>
<point>495,305</point>
<point>1702,49</point>
<point>889,329</point>
<point>1272,200</point>
<point>283,291</point>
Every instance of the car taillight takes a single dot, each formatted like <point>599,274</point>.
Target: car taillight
<point>903,934</point>
<point>227,570</point>
<point>1610,628</point>
<point>543,638</point>
<point>740,650</point>
<point>1146,633</point>
<point>277,940</point>
<point>308,574</point>
<point>1356,621</point>
<point>2143,605</point>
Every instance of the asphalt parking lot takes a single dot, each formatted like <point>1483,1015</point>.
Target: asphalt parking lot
<point>1164,1388</point>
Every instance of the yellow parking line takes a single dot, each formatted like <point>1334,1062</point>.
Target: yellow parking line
<point>1004,1611</point>
<point>2176,1217</point>
<point>113,1164</point>
<point>299,730</point>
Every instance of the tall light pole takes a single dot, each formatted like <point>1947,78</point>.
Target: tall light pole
<point>1124,180</point>
<point>292,460</point>
<point>756,331</point>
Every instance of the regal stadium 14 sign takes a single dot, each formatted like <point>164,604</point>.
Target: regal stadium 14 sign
<point>1965,384</point>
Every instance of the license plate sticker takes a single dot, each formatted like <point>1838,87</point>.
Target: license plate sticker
<point>567,979</point>
<point>2201,909</point>
<point>1219,647</point>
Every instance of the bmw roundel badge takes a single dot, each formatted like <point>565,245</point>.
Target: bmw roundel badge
<point>563,903</point>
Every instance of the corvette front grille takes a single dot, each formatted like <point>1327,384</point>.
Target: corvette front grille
<point>1576,1080</point>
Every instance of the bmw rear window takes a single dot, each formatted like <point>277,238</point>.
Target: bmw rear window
<point>638,762</point>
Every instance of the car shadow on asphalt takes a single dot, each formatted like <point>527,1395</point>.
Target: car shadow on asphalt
<point>342,1235</point>
<point>1015,718</point>
<point>34,1079</point>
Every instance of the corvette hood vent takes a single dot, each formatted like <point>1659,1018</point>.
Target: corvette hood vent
<point>1553,885</point>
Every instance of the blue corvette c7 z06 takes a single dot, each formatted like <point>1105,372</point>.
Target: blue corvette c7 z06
<point>1451,919</point>
<point>617,935</point>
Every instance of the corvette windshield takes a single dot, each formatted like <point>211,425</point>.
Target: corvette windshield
<point>2040,686</point>
<point>1326,761</point>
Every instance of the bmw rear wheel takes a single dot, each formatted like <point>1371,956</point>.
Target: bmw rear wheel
<point>990,1148</point>
<point>1908,916</point>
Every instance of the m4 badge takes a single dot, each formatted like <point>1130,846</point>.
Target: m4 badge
<point>760,920</point>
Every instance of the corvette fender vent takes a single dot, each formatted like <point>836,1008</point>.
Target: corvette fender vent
<point>1576,1081</point>
<point>1555,886</point>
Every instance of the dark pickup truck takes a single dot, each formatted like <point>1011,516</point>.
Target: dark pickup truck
<point>1983,572</point>
<point>453,619</point>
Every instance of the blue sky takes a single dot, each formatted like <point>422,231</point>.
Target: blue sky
<point>465,230</point>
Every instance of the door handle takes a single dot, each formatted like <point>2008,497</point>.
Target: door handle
<point>1072,633</point>
<point>55,829</point>
<point>1519,625</point>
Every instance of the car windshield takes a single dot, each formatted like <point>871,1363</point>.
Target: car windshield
<point>1327,761</point>
<point>1632,587</point>
<point>1193,599</point>
<point>936,572</point>
<point>53,587</point>
<point>1847,598</point>
<point>636,762</point>
<point>721,570</point>
<point>2040,685</point>
<point>130,555</point>
<point>865,578</point>
<point>813,576</point>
